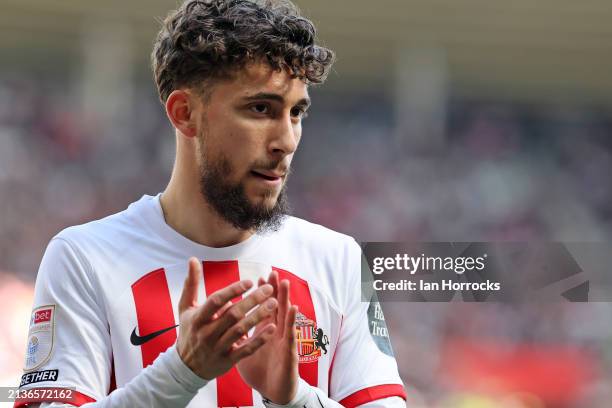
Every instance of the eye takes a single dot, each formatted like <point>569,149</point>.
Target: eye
<point>260,108</point>
<point>299,113</point>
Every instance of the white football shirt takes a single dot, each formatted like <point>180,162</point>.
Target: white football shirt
<point>106,305</point>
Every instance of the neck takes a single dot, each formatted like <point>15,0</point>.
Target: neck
<point>185,209</point>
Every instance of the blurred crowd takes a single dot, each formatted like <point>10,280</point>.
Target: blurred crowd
<point>503,172</point>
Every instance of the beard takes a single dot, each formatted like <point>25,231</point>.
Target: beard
<point>230,200</point>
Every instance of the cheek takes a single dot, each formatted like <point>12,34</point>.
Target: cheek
<point>240,140</point>
<point>229,138</point>
<point>242,129</point>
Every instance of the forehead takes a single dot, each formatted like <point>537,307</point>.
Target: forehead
<point>260,77</point>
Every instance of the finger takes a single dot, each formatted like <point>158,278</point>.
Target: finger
<point>289,324</point>
<point>240,329</point>
<point>260,282</point>
<point>239,310</point>
<point>252,344</point>
<point>261,325</point>
<point>220,312</point>
<point>189,296</point>
<point>283,305</point>
<point>273,280</point>
<point>218,300</point>
<point>270,319</point>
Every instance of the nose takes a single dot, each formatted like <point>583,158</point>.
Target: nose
<point>285,137</point>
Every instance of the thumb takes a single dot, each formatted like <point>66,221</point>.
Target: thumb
<point>189,297</point>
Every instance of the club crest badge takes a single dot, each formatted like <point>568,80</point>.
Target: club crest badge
<point>311,341</point>
<point>40,337</point>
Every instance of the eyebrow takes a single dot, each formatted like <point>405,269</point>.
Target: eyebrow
<point>304,102</point>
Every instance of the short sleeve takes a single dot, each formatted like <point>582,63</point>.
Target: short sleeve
<point>69,340</point>
<point>363,367</point>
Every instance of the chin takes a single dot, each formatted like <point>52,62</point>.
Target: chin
<point>264,196</point>
<point>266,202</point>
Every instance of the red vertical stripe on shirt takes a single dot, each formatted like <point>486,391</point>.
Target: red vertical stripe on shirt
<point>154,312</point>
<point>232,391</point>
<point>299,294</point>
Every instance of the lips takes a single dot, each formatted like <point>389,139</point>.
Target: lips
<point>268,175</point>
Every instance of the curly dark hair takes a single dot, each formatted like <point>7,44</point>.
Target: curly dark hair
<point>207,40</point>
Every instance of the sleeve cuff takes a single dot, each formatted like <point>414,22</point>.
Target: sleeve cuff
<point>302,396</point>
<point>183,375</point>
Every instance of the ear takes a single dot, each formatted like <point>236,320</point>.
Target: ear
<point>179,109</point>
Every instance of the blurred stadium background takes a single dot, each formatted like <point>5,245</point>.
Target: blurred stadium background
<point>443,120</point>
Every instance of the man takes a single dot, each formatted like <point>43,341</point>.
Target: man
<point>116,319</point>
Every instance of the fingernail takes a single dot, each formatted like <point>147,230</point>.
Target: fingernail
<point>270,304</point>
<point>267,289</point>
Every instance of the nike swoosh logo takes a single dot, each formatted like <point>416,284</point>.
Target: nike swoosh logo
<point>140,340</point>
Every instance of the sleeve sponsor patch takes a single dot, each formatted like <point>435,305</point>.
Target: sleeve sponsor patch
<point>38,376</point>
<point>378,327</point>
<point>40,337</point>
